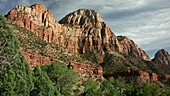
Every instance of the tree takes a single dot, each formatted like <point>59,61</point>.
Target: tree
<point>91,88</point>
<point>146,89</point>
<point>113,87</point>
<point>8,45</point>
<point>16,80</point>
<point>15,74</point>
<point>43,85</point>
<point>64,78</point>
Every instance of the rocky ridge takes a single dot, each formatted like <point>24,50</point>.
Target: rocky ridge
<point>162,57</point>
<point>80,31</point>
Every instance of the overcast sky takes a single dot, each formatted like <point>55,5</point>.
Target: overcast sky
<point>147,22</point>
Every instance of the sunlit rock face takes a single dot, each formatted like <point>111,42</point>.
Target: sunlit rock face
<point>80,31</point>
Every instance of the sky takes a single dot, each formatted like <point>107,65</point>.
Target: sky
<point>147,22</point>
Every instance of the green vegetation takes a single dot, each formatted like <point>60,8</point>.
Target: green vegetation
<point>117,87</point>
<point>91,56</point>
<point>114,62</point>
<point>15,76</point>
<point>64,79</point>
<point>8,45</point>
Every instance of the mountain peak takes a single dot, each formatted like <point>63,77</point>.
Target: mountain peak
<point>31,17</point>
<point>162,57</point>
<point>87,33</point>
<point>83,18</point>
<point>38,5</point>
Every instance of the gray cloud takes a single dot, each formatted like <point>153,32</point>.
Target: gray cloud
<point>147,22</point>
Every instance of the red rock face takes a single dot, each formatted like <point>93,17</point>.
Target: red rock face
<point>80,31</point>
<point>128,46</point>
<point>36,60</point>
<point>140,75</point>
<point>162,57</point>
<point>143,76</point>
<point>85,68</point>
<point>153,77</point>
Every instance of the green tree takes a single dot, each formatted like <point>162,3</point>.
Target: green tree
<point>16,80</point>
<point>8,45</point>
<point>113,87</point>
<point>64,78</point>
<point>146,89</point>
<point>91,88</point>
<point>43,85</point>
<point>15,74</point>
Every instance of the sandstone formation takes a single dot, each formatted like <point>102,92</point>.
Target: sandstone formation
<point>138,74</point>
<point>129,47</point>
<point>85,68</point>
<point>162,57</point>
<point>36,60</point>
<point>153,77</point>
<point>80,31</point>
<point>95,34</point>
<point>35,18</point>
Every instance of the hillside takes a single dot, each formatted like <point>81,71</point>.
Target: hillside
<point>48,54</point>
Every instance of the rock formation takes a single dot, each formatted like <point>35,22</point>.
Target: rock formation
<point>80,31</point>
<point>138,74</point>
<point>85,68</point>
<point>35,18</point>
<point>153,77</point>
<point>36,60</point>
<point>162,57</point>
<point>129,47</point>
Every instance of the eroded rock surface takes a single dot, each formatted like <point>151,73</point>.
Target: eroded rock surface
<point>85,68</point>
<point>36,60</point>
<point>162,57</point>
<point>80,31</point>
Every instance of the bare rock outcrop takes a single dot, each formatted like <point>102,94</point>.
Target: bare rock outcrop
<point>99,35</point>
<point>129,47</point>
<point>36,60</point>
<point>35,18</point>
<point>85,68</point>
<point>162,57</point>
<point>153,77</point>
<point>95,33</point>
<point>80,31</point>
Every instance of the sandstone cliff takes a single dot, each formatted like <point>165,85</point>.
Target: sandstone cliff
<point>80,31</point>
<point>100,36</point>
<point>95,33</point>
<point>36,60</point>
<point>85,68</point>
<point>162,57</point>
<point>129,47</point>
